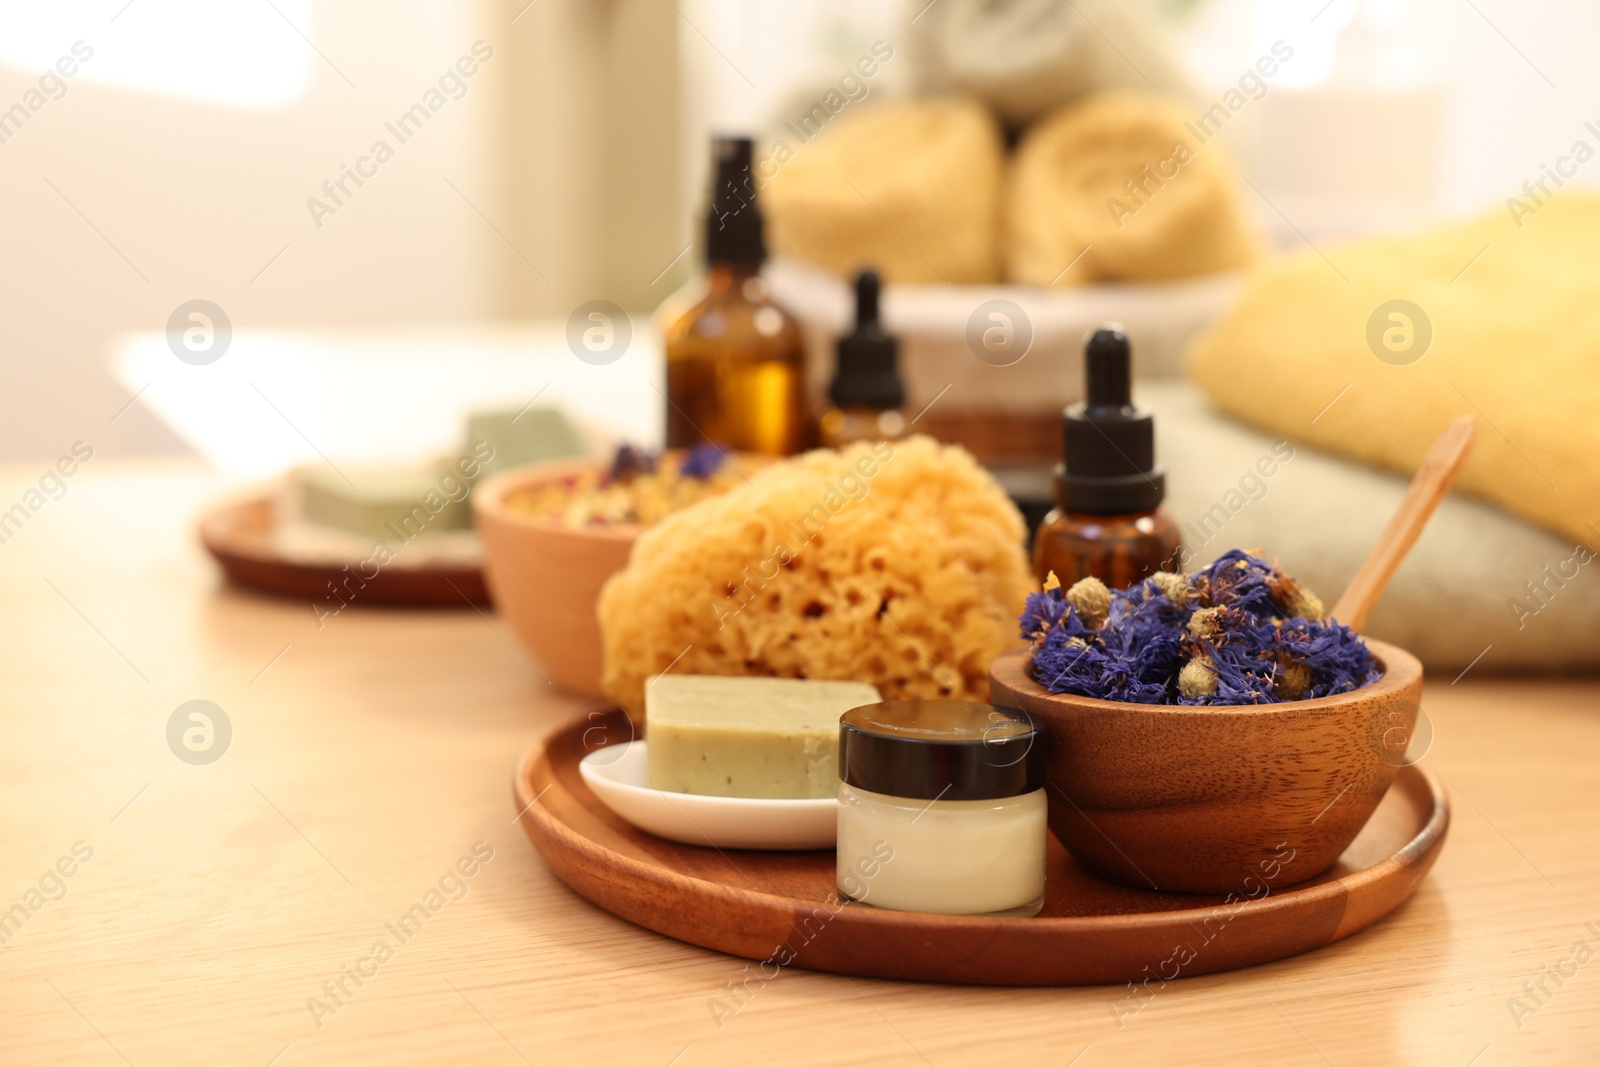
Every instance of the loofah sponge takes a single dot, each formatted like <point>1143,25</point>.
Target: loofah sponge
<point>911,188</point>
<point>897,564</point>
<point>1122,176</point>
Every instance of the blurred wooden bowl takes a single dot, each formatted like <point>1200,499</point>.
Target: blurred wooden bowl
<point>545,577</point>
<point>1236,799</point>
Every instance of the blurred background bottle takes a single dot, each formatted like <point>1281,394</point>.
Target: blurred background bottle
<point>866,396</point>
<point>735,359</point>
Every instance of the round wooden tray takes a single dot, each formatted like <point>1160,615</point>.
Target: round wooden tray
<point>239,537</point>
<point>780,906</point>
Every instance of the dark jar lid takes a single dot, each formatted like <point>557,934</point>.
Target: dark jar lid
<point>939,750</point>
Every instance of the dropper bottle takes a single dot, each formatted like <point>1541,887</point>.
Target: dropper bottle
<point>735,359</point>
<point>1108,521</point>
<point>866,396</point>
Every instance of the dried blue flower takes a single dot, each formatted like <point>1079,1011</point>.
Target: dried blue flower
<point>1238,580</point>
<point>1236,625</point>
<point>1041,612</point>
<point>702,461</point>
<point>630,462</point>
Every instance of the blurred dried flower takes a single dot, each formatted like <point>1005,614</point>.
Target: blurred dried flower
<point>630,462</point>
<point>702,461</point>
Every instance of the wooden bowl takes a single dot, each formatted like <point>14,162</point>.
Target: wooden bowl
<point>546,578</point>
<point>1216,799</point>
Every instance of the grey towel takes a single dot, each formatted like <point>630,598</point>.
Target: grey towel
<point>1025,57</point>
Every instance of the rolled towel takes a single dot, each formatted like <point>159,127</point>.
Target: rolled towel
<point>1369,348</point>
<point>1120,181</point>
<point>910,187</point>
<point>1027,57</point>
<point>1463,587</point>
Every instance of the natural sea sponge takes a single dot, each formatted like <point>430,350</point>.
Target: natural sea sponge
<point>897,563</point>
<point>1122,176</point>
<point>910,188</point>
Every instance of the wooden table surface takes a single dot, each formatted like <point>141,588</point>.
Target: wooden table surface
<point>371,755</point>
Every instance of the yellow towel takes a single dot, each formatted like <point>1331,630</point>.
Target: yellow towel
<point>1318,350</point>
<point>911,188</point>
<point>1121,182</point>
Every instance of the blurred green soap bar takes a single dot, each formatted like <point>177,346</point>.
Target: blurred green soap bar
<point>747,737</point>
<point>385,503</point>
<point>506,439</point>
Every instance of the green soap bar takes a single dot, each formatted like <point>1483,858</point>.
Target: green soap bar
<point>518,438</point>
<point>747,737</point>
<point>392,504</point>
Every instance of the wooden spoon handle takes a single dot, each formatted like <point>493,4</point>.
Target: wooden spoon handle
<point>1428,486</point>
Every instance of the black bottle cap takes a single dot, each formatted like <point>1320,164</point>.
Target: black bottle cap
<point>734,232</point>
<point>939,749</point>
<point>1108,446</point>
<point>868,373</point>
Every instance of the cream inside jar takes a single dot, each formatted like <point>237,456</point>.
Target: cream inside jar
<point>941,809</point>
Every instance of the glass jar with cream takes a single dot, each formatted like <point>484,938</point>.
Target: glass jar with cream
<point>941,808</point>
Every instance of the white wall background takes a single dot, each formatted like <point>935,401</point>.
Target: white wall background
<point>1503,86</point>
<point>184,198</point>
<point>178,162</point>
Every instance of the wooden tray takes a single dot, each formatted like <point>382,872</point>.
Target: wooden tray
<point>778,906</point>
<point>239,537</point>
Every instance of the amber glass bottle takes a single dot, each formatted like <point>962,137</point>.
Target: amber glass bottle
<point>866,396</point>
<point>735,359</point>
<point>1107,522</point>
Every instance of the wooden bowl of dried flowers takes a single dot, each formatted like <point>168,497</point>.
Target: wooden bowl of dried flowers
<point>554,532</point>
<point>1208,732</point>
<point>1213,732</point>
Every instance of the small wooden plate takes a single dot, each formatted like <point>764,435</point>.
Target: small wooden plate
<point>781,906</point>
<point>239,537</point>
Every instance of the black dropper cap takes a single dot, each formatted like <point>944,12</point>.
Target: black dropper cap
<point>1109,456</point>
<point>868,374</point>
<point>733,221</point>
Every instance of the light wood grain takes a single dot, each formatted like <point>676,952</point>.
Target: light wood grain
<point>1428,486</point>
<point>380,748</point>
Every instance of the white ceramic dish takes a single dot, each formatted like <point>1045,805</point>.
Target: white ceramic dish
<point>616,774</point>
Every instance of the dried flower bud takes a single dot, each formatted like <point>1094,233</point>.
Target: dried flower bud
<point>1292,681</point>
<point>1295,600</point>
<point>1207,623</point>
<point>1051,582</point>
<point>1175,587</point>
<point>1091,599</point>
<point>1198,678</point>
<point>1304,604</point>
